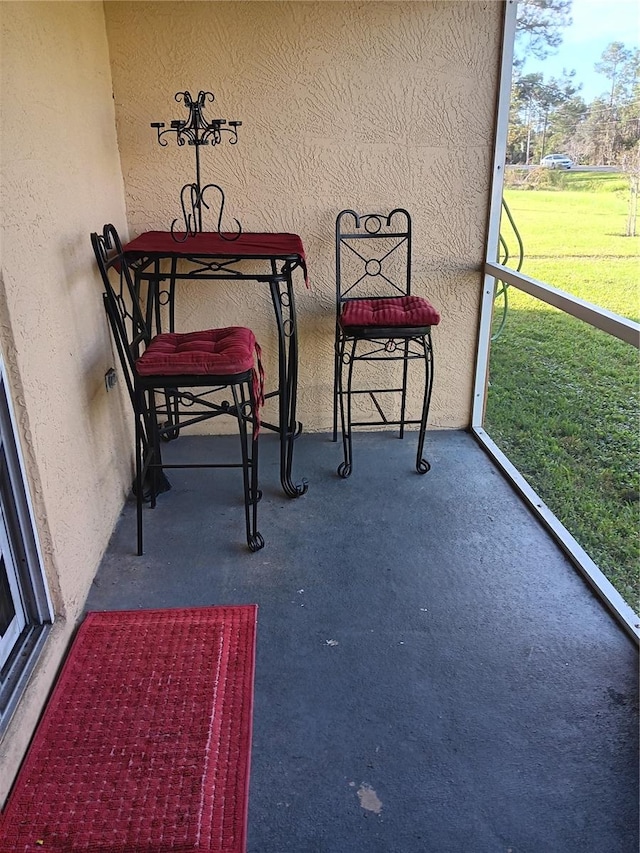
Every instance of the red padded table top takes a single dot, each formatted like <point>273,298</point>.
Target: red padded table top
<point>250,245</point>
<point>210,244</point>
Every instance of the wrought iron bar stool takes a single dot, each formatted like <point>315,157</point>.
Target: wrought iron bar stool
<point>183,376</point>
<point>377,320</point>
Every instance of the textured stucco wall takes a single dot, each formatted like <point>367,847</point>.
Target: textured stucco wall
<point>61,179</point>
<point>363,105</point>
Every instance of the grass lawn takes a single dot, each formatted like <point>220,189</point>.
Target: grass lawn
<point>564,399</point>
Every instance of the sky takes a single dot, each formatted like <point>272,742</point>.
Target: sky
<point>596,23</point>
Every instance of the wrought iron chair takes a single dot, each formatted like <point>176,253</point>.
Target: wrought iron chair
<point>378,319</point>
<point>175,380</point>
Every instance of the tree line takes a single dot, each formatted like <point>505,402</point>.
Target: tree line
<point>550,115</point>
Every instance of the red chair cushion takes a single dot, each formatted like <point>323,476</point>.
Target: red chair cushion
<point>212,352</point>
<point>395,311</point>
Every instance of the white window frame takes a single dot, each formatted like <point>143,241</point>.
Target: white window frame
<point>607,321</point>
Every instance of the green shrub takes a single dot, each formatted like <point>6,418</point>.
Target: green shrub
<point>541,178</point>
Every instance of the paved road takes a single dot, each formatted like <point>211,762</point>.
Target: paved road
<point>573,168</point>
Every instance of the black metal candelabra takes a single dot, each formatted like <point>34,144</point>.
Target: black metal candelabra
<point>196,131</point>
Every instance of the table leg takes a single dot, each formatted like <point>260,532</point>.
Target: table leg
<point>289,429</point>
<point>167,298</point>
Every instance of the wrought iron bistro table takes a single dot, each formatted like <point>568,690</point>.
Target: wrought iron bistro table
<point>162,261</point>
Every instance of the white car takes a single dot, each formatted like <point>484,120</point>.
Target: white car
<point>557,161</point>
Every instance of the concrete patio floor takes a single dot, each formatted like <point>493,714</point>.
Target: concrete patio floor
<point>433,676</point>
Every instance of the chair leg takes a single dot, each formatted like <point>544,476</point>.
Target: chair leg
<point>246,407</point>
<point>149,478</point>
<point>345,468</point>
<point>336,379</point>
<point>403,401</point>
<point>257,541</point>
<point>422,465</point>
<point>154,450</point>
<point>139,413</point>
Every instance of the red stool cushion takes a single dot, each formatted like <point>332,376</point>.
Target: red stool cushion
<point>212,352</point>
<point>395,311</point>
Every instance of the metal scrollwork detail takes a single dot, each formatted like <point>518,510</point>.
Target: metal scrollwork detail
<point>192,201</point>
<point>285,299</point>
<point>423,467</point>
<point>122,306</point>
<point>288,328</point>
<point>195,130</point>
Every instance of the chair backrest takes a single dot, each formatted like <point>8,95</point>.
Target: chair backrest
<point>122,301</point>
<point>373,255</point>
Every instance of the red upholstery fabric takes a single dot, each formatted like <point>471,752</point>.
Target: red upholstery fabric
<point>214,351</point>
<point>211,243</point>
<point>395,311</point>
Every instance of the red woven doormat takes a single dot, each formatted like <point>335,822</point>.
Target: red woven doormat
<point>144,746</point>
